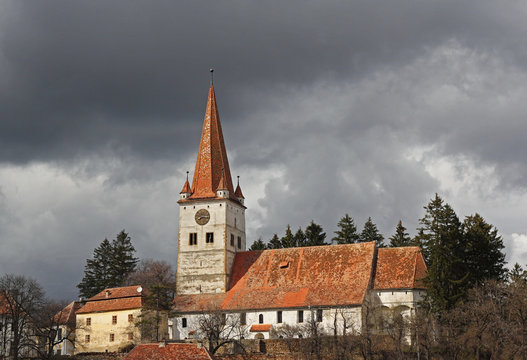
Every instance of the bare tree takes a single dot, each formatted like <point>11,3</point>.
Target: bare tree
<point>159,279</point>
<point>344,335</point>
<point>219,328</point>
<point>52,326</point>
<point>397,328</point>
<point>153,272</point>
<point>23,298</point>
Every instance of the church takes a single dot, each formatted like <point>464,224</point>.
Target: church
<point>336,286</point>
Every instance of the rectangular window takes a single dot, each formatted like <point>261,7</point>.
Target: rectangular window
<point>114,319</point>
<point>130,336</point>
<point>87,338</point>
<point>243,319</point>
<point>232,240</point>
<point>319,315</point>
<point>279,317</point>
<point>88,321</point>
<point>239,242</point>
<point>193,238</point>
<point>223,319</point>
<point>59,334</point>
<point>112,337</point>
<point>184,322</point>
<point>130,318</point>
<point>300,316</point>
<point>210,238</point>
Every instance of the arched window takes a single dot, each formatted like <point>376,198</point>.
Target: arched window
<point>260,319</point>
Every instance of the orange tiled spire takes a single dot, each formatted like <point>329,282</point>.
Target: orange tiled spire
<point>212,164</point>
<point>186,187</point>
<point>238,192</point>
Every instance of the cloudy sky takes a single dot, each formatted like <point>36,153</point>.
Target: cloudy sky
<point>327,107</point>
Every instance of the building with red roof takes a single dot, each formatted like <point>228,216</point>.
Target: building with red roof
<point>264,290</point>
<point>170,351</point>
<point>107,321</point>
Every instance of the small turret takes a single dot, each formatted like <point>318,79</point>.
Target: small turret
<point>186,191</point>
<point>222,191</point>
<point>238,192</point>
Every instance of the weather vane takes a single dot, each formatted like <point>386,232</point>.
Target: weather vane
<point>212,76</point>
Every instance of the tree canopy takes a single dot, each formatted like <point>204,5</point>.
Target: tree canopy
<point>401,237</point>
<point>371,233</point>
<point>347,231</point>
<point>112,262</point>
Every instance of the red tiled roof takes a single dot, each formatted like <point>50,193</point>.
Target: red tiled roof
<point>168,352</point>
<point>400,268</point>
<point>186,188</point>
<point>260,327</point>
<point>67,315</point>
<point>212,163</point>
<point>122,298</point>
<point>315,276</point>
<point>238,192</point>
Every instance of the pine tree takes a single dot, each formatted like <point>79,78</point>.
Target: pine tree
<point>258,244</point>
<point>314,235</point>
<point>300,238</point>
<point>109,267</point>
<point>517,274</point>
<point>123,261</point>
<point>289,239</point>
<point>96,271</point>
<point>347,233</point>
<point>441,241</point>
<point>274,243</point>
<point>485,259</point>
<point>401,237</point>
<point>371,233</point>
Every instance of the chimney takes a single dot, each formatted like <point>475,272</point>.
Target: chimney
<point>107,294</point>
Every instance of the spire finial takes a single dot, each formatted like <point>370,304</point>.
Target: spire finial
<point>187,174</point>
<point>238,176</point>
<point>211,77</point>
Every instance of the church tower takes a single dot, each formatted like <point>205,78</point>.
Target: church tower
<point>211,215</point>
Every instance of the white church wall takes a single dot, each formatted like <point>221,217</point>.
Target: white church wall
<point>351,316</point>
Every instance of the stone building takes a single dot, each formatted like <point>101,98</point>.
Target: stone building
<point>335,286</point>
<point>107,322</point>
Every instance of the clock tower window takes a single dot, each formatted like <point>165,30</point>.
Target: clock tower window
<point>193,238</point>
<point>210,238</point>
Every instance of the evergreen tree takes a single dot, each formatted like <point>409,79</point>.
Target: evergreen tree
<point>109,267</point>
<point>96,271</point>
<point>258,245</point>
<point>314,235</point>
<point>347,233</point>
<point>441,241</point>
<point>289,239</point>
<point>485,259</point>
<point>401,237</point>
<point>517,274</point>
<point>274,243</point>
<point>300,238</point>
<point>370,233</point>
<point>123,261</point>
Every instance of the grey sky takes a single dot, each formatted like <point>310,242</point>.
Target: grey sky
<point>327,107</point>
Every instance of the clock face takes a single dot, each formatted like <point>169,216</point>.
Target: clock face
<point>202,217</point>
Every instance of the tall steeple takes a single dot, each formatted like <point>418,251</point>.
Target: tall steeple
<point>211,215</point>
<point>212,164</point>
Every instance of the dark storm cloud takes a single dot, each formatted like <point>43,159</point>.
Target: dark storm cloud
<point>327,108</point>
<point>92,76</point>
